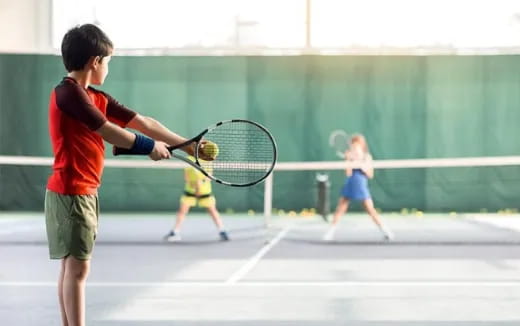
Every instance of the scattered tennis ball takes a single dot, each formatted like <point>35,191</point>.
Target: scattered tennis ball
<point>453,213</point>
<point>292,213</point>
<point>250,212</point>
<point>210,149</point>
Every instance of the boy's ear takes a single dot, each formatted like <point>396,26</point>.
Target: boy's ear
<point>93,62</point>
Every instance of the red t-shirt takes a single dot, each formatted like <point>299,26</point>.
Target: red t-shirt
<point>74,115</point>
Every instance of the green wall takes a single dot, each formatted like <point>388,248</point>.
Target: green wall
<point>407,106</point>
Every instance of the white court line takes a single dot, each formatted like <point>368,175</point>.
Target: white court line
<point>506,223</point>
<point>18,228</point>
<point>497,283</point>
<point>239,274</point>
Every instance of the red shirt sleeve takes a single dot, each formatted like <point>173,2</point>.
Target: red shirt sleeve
<point>117,112</point>
<point>74,101</point>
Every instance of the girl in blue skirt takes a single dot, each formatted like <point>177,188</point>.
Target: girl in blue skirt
<point>356,186</point>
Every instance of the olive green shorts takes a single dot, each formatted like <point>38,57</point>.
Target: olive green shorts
<point>71,222</point>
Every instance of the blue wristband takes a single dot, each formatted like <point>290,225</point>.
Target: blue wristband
<point>142,145</point>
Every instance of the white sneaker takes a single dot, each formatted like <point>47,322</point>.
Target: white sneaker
<point>388,234</point>
<point>173,237</point>
<point>329,236</point>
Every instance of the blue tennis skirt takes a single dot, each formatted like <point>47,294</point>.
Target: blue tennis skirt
<point>356,186</point>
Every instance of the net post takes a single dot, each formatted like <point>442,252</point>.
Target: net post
<point>268,199</point>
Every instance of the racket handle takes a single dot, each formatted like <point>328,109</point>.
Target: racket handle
<point>122,151</point>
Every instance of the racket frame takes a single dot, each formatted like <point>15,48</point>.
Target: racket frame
<point>197,140</point>
<point>335,133</point>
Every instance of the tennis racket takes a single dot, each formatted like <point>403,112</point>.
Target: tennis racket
<point>339,141</point>
<point>246,152</point>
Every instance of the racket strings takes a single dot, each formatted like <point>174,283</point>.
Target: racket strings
<point>339,141</point>
<point>246,153</point>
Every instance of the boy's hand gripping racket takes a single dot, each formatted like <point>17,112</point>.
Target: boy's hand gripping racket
<point>244,155</point>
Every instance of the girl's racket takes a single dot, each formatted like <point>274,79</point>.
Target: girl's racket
<point>246,152</point>
<point>339,141</point>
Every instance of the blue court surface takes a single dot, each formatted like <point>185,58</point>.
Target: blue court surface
<point>440,270</point>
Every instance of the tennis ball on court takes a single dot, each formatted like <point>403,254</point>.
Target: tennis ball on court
<point>210,149</point>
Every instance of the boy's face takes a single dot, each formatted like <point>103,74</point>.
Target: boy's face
<point>100,70</point>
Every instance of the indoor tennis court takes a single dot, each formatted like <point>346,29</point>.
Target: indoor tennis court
<point>373,178</point>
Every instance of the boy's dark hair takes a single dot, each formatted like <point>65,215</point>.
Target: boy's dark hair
<point>83,42</point>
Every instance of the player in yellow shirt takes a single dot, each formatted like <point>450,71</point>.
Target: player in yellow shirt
<point>197,191</point>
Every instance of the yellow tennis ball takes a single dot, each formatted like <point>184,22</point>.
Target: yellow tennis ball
<point>210,149</point>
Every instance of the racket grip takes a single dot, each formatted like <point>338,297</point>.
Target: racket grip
<point>122,151</point>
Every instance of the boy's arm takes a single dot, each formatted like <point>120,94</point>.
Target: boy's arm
<point>116,135</point>
<point>120,137</point>
<point>156,130</point>
<point>124,117</point>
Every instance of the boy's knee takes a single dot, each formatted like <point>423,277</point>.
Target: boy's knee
<point>78,269</point>
<point>80,273</point>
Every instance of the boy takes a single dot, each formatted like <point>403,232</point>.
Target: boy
<point>197,191</point>
<point>80,118</point>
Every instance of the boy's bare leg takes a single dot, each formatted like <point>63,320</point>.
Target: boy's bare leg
<point>74,279</point>
<point>60,293</point>
<point>215,216</point>
<point>181,215</point>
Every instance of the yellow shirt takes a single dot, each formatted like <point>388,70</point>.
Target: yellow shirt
<point>194,177</point>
